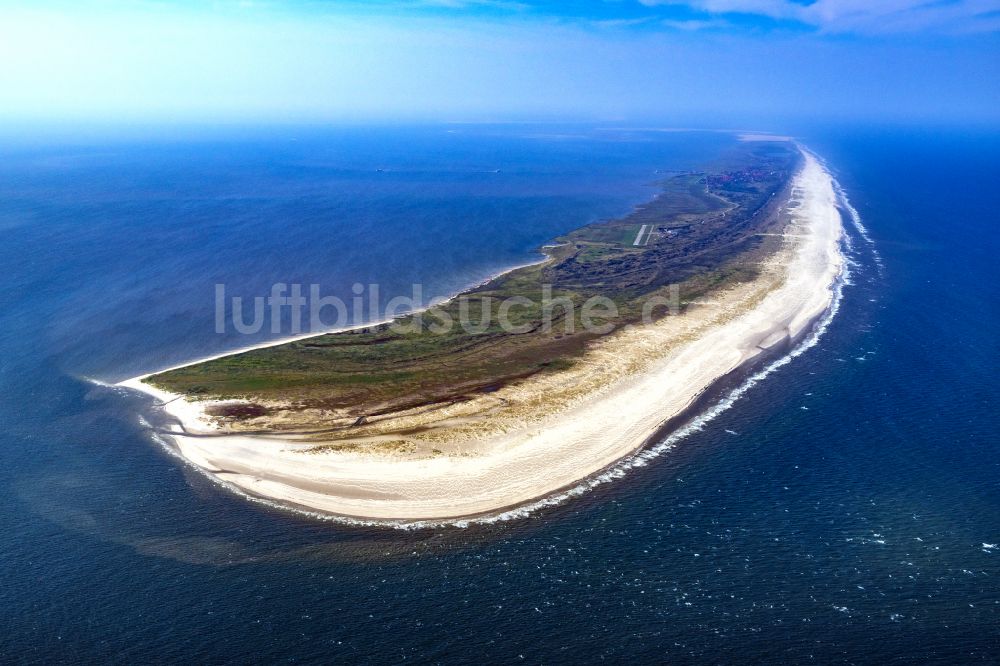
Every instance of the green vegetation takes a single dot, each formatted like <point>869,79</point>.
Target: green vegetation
<point>704,230</point>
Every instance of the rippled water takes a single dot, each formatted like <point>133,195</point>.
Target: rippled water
<point>844,509</point>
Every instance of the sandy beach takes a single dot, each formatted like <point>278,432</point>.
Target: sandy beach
<point>532,439</point>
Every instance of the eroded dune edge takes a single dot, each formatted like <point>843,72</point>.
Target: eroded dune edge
<point>542,436</point>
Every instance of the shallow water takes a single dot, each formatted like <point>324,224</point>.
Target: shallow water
<point>842,510</point>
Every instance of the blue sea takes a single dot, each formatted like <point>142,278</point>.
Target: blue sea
<point>845,509</point>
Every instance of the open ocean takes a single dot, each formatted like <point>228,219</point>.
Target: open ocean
<point>844,509</point>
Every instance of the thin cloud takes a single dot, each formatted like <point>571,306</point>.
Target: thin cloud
<point>861,16</point>
<point>693,25</point>
<point>473,4</point>
<point>621,23</point>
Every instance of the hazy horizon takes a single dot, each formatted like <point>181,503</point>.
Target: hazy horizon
<point>709,63</point>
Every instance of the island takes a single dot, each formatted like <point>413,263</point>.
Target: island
<point>547,375</point>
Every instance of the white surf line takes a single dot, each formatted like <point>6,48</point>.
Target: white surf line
<point>862,230</point>
<point>642,457</point>
<point>645,456</point>
<point>635,460</point>
<point>619,470</point>
<point>638,237</point>
<point>852,212</point>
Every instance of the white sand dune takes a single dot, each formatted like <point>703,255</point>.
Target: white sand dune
<point>551,453</point>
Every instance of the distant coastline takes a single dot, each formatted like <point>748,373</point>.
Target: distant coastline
<point>560,436</point>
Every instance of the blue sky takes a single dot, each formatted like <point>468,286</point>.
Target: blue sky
<point>680,61</point>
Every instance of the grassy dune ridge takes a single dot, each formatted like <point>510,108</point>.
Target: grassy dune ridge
<point>704,230</point>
